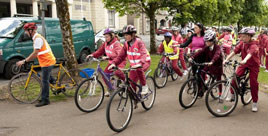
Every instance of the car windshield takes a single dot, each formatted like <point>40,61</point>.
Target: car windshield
<point>9,28</point>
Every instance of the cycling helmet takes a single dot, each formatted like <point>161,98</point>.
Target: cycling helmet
<point>108,31</point>
<point>30,26</point>
<point>227,28</point>
<point>174,28</point>
<point>167,34</point>
<point>210,35</point>
<point>129,29</point>
<point>247,30</point>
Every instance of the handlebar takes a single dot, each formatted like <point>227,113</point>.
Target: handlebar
<point>198,64</point>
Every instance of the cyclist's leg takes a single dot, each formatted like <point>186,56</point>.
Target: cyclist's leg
<point>176,67</point>
<point>266,62</point>
<point>134,77</point>
<point>46,71</point>
<point>181,56</point>
<point>254,85</point>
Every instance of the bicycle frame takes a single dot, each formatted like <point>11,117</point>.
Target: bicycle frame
<point>58,76</point>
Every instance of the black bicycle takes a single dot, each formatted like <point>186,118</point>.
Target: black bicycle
<point>120,106</point>
<point>163,70</point>
<point>195,85</point>
<point>221,106</point>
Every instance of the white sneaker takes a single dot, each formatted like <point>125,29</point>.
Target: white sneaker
<point>185,72</point>
<point>266,70</point>
<point>107,94</point>
<point>144,90</point>
<point>254,107</point>
<point>231,97</point>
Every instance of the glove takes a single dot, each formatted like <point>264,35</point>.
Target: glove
<point>136,66</point>
<point>111,66</point>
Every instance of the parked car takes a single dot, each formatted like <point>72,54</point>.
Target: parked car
<point>100,39</point>
<point>162,30</point>
<point>15,45</point>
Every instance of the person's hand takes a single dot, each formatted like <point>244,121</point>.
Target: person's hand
<point>19,63</point>
<point>111,66</point>
<point>105,57</point>
<point>209,64</point>
<point>243,62</point>
<point>89,56</point>
<point>224,62</point>
<point>190,60</point>
<point>136,66</point>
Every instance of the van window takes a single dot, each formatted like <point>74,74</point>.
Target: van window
<point>9,28</point>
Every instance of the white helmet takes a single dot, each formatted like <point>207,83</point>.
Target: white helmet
<point>209,35</point>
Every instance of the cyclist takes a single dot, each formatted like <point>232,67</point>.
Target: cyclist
<point>262,38</point>
<point>170,46</point>
<point>212,56</point>
<point>250,60</point>
<point>111,47</point>
<point>266,50</point>
<point>177,37</point>
<point>138,56</point>
<point>227,40</point>
<point>45,57</point>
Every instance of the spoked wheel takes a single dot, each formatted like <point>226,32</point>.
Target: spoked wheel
<point>89,95</point>
<point>188,93</point>
<point>25,89</point>
<point>246,97</point>
<point>221,106</point>
<point>119,110</point>
<point>174,76</point>
<point>161,76</point>
<point>149,98</point>
<point>71,80</point>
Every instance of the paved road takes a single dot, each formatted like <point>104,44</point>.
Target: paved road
<point>165,118</point>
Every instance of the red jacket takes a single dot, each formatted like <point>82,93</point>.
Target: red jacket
<point>141,50</point>
<point>214,56</point>
<point>249,48</point>
<point>112,50</point>
<point>177,38</point>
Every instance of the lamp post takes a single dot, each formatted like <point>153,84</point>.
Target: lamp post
<point>43,8</point>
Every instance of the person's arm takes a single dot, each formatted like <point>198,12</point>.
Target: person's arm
<point>32,56</point>
<point>200,53</point>
<point>253,50</point>
<point>99,52</point>
<point>217,54</point>
<point>221,36</point>
<point>161,48</point>
<point>244,61</point>
<point>189,41</point>
<point>121,56</point>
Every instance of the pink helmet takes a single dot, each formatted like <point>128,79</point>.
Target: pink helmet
<point>129,29</point>
<point>247,30</point>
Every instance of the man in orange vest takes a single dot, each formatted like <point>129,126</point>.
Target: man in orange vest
<point>46,59</point>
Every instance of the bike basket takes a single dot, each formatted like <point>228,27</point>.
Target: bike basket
<point>89,72</point>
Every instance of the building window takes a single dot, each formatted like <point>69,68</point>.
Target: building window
<point>78,7</point>
<point>148,25</point>
<point>111,18</point>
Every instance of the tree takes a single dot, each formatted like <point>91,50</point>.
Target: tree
<point>67,39</point>
<point>149,7</point>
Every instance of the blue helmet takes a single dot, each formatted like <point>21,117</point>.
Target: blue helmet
<point>167,34</point>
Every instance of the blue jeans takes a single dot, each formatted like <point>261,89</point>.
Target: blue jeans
<point>46,71</point>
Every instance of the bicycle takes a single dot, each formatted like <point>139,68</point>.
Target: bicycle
<point>120,106</point>
<point>221,107</point>
<point>27,87</point>
<point>194,85</point>
<point>163,70</point>
<point>89,94</point>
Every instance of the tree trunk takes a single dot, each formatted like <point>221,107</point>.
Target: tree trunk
<point>67,38</point>
<point>151,15</point>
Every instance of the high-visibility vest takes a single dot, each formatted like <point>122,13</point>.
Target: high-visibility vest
<point>168,49</point>
<point>45,55</point>
<point>109,49</point>
<point>134,55</point>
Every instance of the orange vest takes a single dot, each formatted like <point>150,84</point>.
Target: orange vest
<point>134,55</point>
<point>45,55</point>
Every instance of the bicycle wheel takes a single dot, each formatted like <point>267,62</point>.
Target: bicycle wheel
<point>119,110</point>
<point>70,81</point>
<point>221,107</point>
<point>149,98</point>
<point>23,93</point>
<point>160,76</point>
<point>188,93</point>
<point>89,95</point>
<point>246,97</point>
<point>174,76</point>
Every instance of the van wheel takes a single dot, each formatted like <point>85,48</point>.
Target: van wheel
<point>83,56</point>
<point>11,69</point>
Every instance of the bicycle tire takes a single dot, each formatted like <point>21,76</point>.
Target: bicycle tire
<point>220,105</point>
<point>71,81</point>
<point>246,100</point>
<point>160,83</point>
<point>152,94</point>
<point>174,76</point>
<point>110,115</point>
<point>83,91</point>
<point>190,82</point>
<point>19,94</point>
